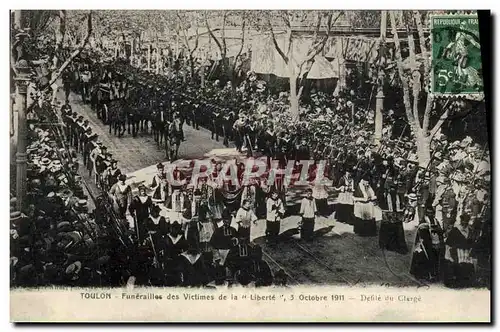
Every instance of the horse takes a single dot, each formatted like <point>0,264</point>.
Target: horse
<point>116,118</point>
<point>160,126</point>
<point>133,116</point>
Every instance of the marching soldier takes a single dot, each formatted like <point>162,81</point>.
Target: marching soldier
<point>66,112</point>
<point>112,173</point>
<point>88,137</point>
<point>85,126</point>
<point>216,123</point>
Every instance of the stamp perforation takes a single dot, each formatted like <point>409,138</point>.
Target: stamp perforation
<point>431,83</point>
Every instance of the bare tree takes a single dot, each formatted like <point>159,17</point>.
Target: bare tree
<point>297,73</point>
<point>421,129</point>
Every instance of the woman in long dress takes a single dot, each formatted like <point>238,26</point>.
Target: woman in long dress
<point>364,208</point>
<point>345,202</point>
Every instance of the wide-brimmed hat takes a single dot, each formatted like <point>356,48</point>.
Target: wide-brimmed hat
<point>15,216</point>
<point>73,270</point>
<point>64,226</point>
<point>82,203</point>
<point>412,197</point>
<point>45,162</point>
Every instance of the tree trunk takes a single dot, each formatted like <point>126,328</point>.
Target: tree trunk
<point>149,57</point>
<point>423,149</point>
<point>157,62</point>
<point>202,75</point>
<point>294,100</point>
<point>379,107</point>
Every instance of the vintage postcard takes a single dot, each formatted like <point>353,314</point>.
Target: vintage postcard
<point>249,166</point>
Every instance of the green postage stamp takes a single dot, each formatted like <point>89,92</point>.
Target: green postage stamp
<point>456,55</point>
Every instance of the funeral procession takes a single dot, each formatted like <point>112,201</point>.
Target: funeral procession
<point>250,148</point>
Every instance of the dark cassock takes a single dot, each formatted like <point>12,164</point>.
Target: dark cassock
<point>193,269</point>
<point>449,208</point>
<point>261,193</point>
<point>427,250</point>
<point>458,265</point>
<point>239,256</point>
<point>140,207</point>
<point>390,189</point>
<point>223,236</point>
<point>391,234</point>
<point>259,270</point>
<point>157,228</point>
<point>175,244</point>
<point>364,209</point>
<point>113,173</point>
<point>345,202</point>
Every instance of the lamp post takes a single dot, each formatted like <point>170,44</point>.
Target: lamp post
<point>22,80</point>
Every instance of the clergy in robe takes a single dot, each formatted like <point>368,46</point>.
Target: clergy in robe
<point>194,272</point>
<point>157,228</point>
<point>175,242</point>
<point>344,209</point>
<point>159,185</point>
<point>121,194</point>
<point>240,256</point>
<point>224,236</point>
<point>140,209</point>
<point>392,235</point>
<point>275,212</point>
<point>206,226</point>
<point>459,267</point>
<point>259,269</point>
<point>308,213</point>
<point>244,218</point>
<point>364,208</point>
<point>223,240</point>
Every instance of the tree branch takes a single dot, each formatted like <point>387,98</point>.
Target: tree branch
<point>440,122</point>
<point>75,53</point>
<point>278,48</point>
<point>415,74</point>
<point>286,19</point>
<point>399,63</point>
<point>186,41</point>
<point>196,42</point>
<point>243,24</point>
<point>210,32</point>
<point>423,47</point>
<point>317,47</point>
<point>223,34</point>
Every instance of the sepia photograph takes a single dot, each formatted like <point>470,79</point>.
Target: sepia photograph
<point>198,155</point>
